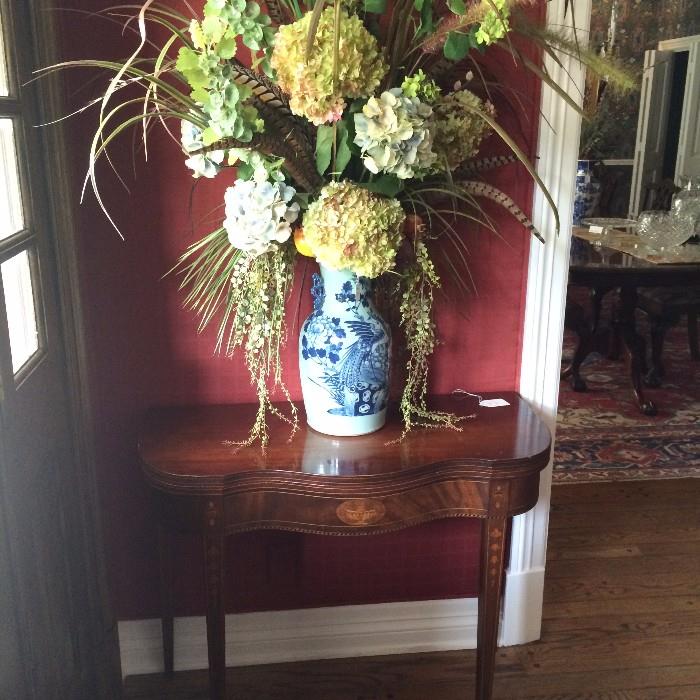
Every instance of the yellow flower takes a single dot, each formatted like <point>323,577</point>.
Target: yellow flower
<point>351,228</point>
<point>308,80</point>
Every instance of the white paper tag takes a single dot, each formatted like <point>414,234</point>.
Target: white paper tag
<point>596,229</point>
<point>493,403</point>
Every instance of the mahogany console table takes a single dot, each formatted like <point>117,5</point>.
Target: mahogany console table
<point>339,486</point>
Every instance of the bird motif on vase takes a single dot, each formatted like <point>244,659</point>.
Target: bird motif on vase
<point>352,375</point>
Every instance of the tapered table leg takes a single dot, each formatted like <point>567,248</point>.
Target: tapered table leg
<point>634,348</point>
<point>493,532</point>
<point>165,552</point>
<point>214,564</point>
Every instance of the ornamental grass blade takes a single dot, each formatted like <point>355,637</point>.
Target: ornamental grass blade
<point>313,26</point>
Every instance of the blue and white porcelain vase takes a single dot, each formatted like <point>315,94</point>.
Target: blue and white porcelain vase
<point>587,195</point>
<point>344,351</point>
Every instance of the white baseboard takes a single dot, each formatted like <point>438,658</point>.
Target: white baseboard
<point>336,632</point>
<point>301,635</point>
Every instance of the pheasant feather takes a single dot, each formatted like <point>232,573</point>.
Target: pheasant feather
<point>481,189</point>
<point>481,165</point>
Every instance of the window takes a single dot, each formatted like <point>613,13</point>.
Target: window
<point>20,318</point>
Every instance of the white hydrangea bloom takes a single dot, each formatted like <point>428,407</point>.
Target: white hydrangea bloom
<point>202,164</point>
<point>395,134</point>
<point>259,214</point>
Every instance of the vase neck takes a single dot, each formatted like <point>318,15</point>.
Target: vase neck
<point>335,279</point>
<point>341,287</point>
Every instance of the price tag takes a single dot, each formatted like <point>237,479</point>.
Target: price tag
<point>596,229</point>
<point>493,403</point>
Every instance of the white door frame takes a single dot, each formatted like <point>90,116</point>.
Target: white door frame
<point>543,330</point>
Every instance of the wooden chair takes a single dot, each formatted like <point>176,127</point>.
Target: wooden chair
<point>591,337</point>
<point>665,307</point>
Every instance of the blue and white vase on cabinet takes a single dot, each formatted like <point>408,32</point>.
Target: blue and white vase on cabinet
<point>344,356</point>
<point>587,194</point>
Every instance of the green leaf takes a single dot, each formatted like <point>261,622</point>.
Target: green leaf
<point>343,153</point>
<point>356,106</point>
<point>324,148</point>
<point>214,7</point>
<point>388,185</point>
<point>426,18</point>
<point>418,4</point>
<point>209,136</point>
<point>201,94</point>
<point>457,46</point>
<point>213,28</point>
<point>376,6</point>
<point>226,48</point>
<point>457,6</point>
<point>187,60</point>
<point>245,171</point>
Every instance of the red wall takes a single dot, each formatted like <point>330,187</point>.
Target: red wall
<point>144,350</point>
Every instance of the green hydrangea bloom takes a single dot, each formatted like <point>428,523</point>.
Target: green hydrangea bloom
<point>421,86</point>
<point>206,66</point>
<point>495,25</point>
<point>458,130</point>
<point>395,135</point>
<point>351,228</point>
<point>309,83</point>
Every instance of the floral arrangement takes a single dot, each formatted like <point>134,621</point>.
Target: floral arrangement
<point>354,129</point>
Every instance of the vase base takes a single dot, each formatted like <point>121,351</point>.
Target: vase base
<point>346,426</point>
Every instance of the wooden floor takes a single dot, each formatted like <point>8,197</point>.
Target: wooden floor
<point>621,618</point>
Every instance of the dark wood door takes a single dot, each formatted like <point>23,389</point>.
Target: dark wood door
<point>56,637</point>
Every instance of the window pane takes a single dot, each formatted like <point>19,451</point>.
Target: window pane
<point>4,86</point>
<point>21,314</point>
<point>11,219</point>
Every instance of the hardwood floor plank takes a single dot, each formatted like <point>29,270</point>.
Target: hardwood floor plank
<point>643,549</point>
<point>660,606</point>
<point>684,518</point>
<point>618,586</point>
<point>624,566</point>
<point>598,497</point>
<point>687,693</point>
<point>575,685</point>
<point>590,537</point>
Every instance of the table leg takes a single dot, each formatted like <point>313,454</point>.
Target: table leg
<point>576,320</point>
<point>634,348</point>
<point>493,533</point>
<point>165,553</point>
<point>216,640</point>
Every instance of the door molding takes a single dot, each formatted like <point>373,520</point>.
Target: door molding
<point>543,329</point>
<point>681,43</point>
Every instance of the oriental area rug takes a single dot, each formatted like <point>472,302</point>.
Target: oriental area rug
<point>602,436</point>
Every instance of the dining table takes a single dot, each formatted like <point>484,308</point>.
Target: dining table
<point>610,260</point>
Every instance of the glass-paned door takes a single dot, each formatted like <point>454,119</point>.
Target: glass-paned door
<point>50,602</point>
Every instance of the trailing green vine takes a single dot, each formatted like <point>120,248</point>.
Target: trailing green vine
<point>250,297</point>
<point>417,295</point>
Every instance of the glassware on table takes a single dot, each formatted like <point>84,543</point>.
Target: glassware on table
<point>607,228</point>
<point>608,223</point>
<point>662,231</point>
<point>687,201</point>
